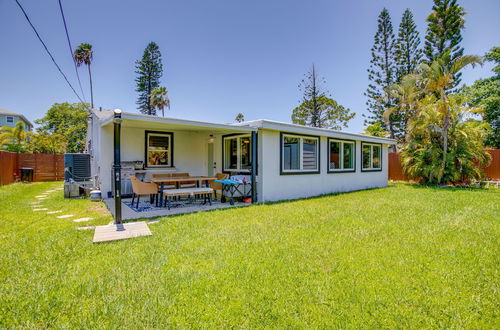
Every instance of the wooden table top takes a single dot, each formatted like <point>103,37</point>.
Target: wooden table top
<point>183,178</point>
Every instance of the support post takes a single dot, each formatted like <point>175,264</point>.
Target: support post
<point>254,167</point>
<point>117,120</point>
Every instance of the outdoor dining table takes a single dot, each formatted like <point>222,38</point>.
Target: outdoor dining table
<point>161,182</point>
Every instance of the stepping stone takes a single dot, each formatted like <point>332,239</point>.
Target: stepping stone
<point>54,212</point>
<point>49,191</point>
<point>41,198</point>
<point>34,203</point>
<point>86,228</point>
<point>65,216</point>
<point>38,196</point>
<point>42,209</point>
<point>82,219</point>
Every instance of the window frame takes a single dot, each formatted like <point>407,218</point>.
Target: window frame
<point>301,143</point>
<point>7,119</point>
<point>342,170</point>
<point>238,137</point>
<point>171,147</point>
<point>371,168</point>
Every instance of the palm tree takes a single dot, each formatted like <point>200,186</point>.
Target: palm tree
<point>15,136</point>
<point>83,55</point>
<point>159,99</point>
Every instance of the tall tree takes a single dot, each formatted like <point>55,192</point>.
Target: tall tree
<point>68,120</point>
<point>239,118</point>
<point>149,70</point>
<point>382,74</point>
<point>407,48</point>
<point>485,93</point>
<point>83,55</point>
<point>316,109</point>
<point>444,33</point>
<point>158,99</point>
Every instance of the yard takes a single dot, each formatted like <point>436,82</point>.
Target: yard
<point>402,256</point>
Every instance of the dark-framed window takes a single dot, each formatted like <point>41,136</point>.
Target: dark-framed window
<point>237,153</point>
<point>10,119</point>
<point>341,156</point>
<point>371,157</point>
<point>159,149</point>
<point>299,154</point>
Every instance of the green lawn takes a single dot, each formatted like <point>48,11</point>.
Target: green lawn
<point>403,256</point>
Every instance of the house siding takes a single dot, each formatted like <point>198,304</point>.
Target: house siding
<point>275,186</point>
<point>3,121</point>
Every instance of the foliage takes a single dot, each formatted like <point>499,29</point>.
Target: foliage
<point>376,129</point>
<point>408,54</point>
<point>83,54</point>
<point>445,23</point>
<point>316,109</point>
<point>47,144</point>
<point>149,71</point>
<point>382,74</point>
<point>322,263</point>
<point>14,139</point>
<point>158,99</point>
<point>464,156</point>
<point>239,118</point>
<point>68,120</point>
<point>485,93</point>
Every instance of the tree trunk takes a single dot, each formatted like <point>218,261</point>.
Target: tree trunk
<point>91,90</point>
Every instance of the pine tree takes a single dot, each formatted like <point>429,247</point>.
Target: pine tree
<point>149,70</point>
<point>407,51</point>
<point>382,74</point>
<point>444,32</point>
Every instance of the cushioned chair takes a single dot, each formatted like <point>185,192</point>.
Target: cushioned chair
<point>217,185</point>
<point>142,188</point>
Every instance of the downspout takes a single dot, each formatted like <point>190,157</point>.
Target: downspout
<point>117,121</point>
<point>254,167</point>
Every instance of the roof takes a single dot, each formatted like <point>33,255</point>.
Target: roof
<point>10,113</point>
<point>301,129</point>
<point>106,118</point>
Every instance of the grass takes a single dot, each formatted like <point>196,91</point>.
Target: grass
<point>398,257</point>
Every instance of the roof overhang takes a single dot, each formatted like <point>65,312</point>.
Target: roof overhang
<point>155,122</point>
<point>300,129</point>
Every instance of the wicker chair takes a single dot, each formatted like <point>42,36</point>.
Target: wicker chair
<point>217,185</point>
<point>142,188</point>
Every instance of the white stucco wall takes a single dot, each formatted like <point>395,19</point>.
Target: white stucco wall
<point>274,186</point>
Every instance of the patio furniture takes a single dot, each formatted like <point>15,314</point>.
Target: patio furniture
<point>142,188</point>
<point>206,192</point>
<point>162,181</point>
<point>235,187</point>
<point>165,175</point>
<point>184,184</point>
<point>217,185</point>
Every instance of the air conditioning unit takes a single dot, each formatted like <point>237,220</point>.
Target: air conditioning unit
<point>77,167</point>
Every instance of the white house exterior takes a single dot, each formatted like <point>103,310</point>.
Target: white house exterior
<point>292,161</point>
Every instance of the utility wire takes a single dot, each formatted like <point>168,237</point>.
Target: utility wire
<point>47,50</point>
<point>71,50</point>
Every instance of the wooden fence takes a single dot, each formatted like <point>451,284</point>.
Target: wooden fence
<point>492,170</point>
<point>47,167</point>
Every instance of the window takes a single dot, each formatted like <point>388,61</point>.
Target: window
<point>159,146</point>
<point>341,155</point>
<point>299,154</point>
<point>371,154</point>
<point>237,153</point>
<point>10,119</point>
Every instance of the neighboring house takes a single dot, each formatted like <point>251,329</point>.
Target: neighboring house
<point>288,161</point>
<point>9,118</point>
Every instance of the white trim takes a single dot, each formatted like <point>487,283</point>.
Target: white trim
<point>238,153</point>
<point>301,153</point>
<point>371,145</point>
<point>341,155</point>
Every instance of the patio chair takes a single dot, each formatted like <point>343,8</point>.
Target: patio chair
<point>217,185</point>
<point>142,188</point>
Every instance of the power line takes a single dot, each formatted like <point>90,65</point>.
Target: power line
<point>71,49</point>
<point>47,50</point>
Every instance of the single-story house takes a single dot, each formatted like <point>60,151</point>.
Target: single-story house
<point>291,161</point>
<point>9,118</point>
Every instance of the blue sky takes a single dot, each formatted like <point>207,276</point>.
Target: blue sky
<point>220,57</point>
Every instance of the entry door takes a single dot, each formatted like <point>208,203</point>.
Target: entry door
<point>210,162</point>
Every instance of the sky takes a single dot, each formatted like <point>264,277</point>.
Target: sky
<point>220,57</point>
